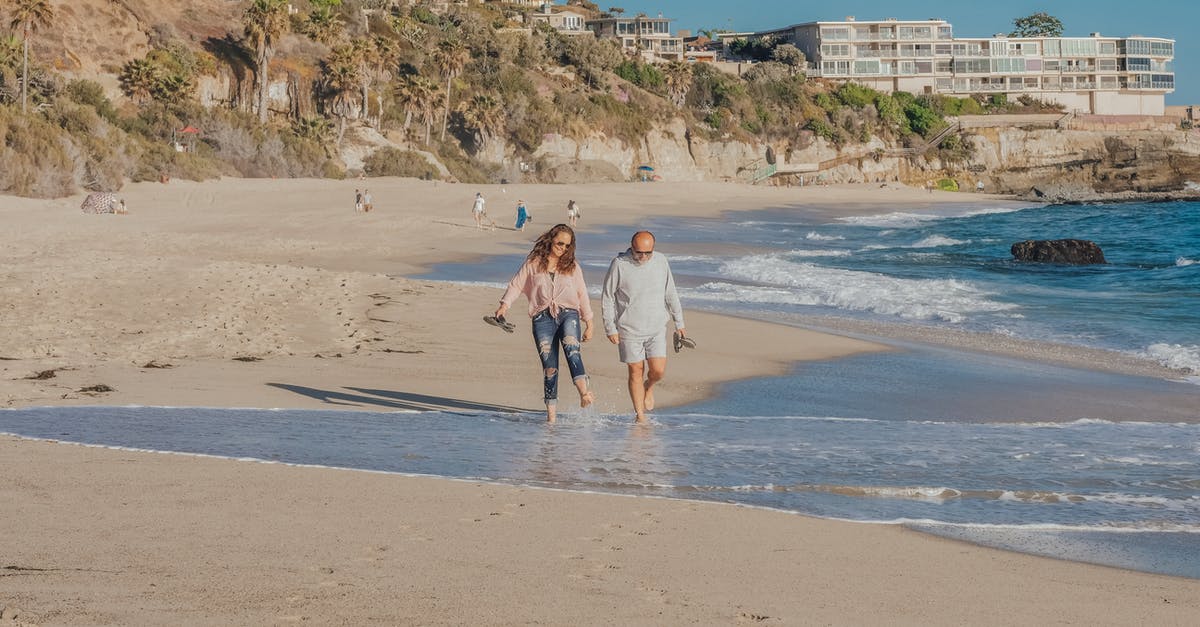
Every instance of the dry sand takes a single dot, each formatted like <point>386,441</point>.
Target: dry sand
<point>276,294</point>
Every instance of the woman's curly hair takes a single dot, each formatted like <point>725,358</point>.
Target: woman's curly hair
<point>540,254</point>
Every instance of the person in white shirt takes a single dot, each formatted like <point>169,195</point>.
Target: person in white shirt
<point>638,300</point>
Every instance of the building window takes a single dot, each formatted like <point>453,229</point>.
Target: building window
<point>1108,47</point>
<point>1007,65</point>
<point>835,50</point>
<point>866,67</point>
<point>1162,49</point>
<point>1137,64</point>
<point>971,66</point>
<point>1106,65</point>
<point>836,34</point>
<point>944,32</point>
<point>835,68</point>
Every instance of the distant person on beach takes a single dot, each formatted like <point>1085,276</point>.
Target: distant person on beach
<point>522,215</point>
<point>639,298</point>
<point>479,213</point>
<point>358,201</point>
<point>573,213</point>
<point>366,200</point>
<point>553,283</point>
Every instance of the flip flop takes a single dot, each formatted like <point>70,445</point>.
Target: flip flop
<point>682,342</point>
<point>499,321</point>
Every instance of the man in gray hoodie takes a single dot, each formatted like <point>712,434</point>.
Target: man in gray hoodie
<point>639,298</point>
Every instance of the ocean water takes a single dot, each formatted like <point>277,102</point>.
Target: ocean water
<point>936,266</point>
<point>1039,458</point>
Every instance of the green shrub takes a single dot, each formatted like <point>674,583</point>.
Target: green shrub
<point>390,161</point>
<point>855,96</point>
<point>947,185</point>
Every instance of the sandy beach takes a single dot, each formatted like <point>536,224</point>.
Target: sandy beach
<point>276,294</point>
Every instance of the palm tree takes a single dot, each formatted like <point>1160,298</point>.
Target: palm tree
<point>484,114</point>
<point>363,51</point>
<point>28,16</point>
<point>138,78</point>
<point>678,77</point>
<point>418,96</point>
<point>450,57</point>
<point>385,58</point>
<point>264,21</point>
<point>324,25</point>
<point>342,78</point>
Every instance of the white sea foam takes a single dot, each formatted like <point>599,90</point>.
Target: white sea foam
<point>934,241</point>
<point>780,281</point>
<point>1184,261</point>
<point>817,237</point>
<point>897,219</point>
<point>819,253</point>
<point>904,219</point>
<point>1175,356</point>
<point>1137,527</point>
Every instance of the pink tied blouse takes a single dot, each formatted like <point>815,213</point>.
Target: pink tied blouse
<point>561,292</point>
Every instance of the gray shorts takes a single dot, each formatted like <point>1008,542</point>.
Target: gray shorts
<point>637,350</point>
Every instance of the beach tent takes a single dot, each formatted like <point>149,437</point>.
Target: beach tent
<point>100,202</point>
<point>646,172</point>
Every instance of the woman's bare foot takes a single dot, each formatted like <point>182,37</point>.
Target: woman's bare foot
<point>551,413</point>
<point>586,399</point>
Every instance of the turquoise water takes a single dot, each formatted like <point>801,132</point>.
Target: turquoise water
<point>1045,459</point>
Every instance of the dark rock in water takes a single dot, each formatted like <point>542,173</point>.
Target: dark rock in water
<point>1073,251</point>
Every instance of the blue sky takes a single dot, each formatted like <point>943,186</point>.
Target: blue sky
<point>1174,19</point>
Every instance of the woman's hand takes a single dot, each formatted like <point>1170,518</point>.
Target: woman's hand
<point>587,331</point>
<point>501,310</point>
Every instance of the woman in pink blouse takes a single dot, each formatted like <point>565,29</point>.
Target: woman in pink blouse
<point>553,283</point>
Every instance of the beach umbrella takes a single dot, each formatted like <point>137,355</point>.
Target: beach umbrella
<point>645,168</point>
<point>100,202</point>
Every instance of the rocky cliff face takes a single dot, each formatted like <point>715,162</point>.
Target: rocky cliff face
<point>1085,165</point>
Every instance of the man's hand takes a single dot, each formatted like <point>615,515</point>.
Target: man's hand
<point>614,338</point>
<point>681,332</point>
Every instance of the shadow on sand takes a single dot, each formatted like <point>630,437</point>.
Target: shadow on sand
<point>392,399</point>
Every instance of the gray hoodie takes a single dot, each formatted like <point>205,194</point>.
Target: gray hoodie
<point>637,298</point>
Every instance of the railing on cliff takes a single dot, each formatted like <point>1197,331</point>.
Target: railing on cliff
<point>765,173</point>
<point>758,174</point>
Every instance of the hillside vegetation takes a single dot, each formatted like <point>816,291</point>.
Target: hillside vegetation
<point>469,87</point>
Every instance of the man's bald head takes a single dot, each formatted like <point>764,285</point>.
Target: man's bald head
<point>643,240</point>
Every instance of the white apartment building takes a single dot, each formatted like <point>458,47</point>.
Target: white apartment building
<point>1096,74</point>
<point>649,36</point>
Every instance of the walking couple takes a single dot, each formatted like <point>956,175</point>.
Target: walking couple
<point>638,299</point>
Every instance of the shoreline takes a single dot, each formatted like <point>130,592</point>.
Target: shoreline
<point>214,292</point>
<point>605,557</point>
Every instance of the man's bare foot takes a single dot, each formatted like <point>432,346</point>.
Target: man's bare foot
<point>649,399</point>
<point>586,399</point>
<point>640,419</point>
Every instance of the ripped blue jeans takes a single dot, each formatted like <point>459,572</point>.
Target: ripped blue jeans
<point>549,333</point>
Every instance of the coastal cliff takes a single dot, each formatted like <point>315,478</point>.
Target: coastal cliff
<point>465,95</point>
